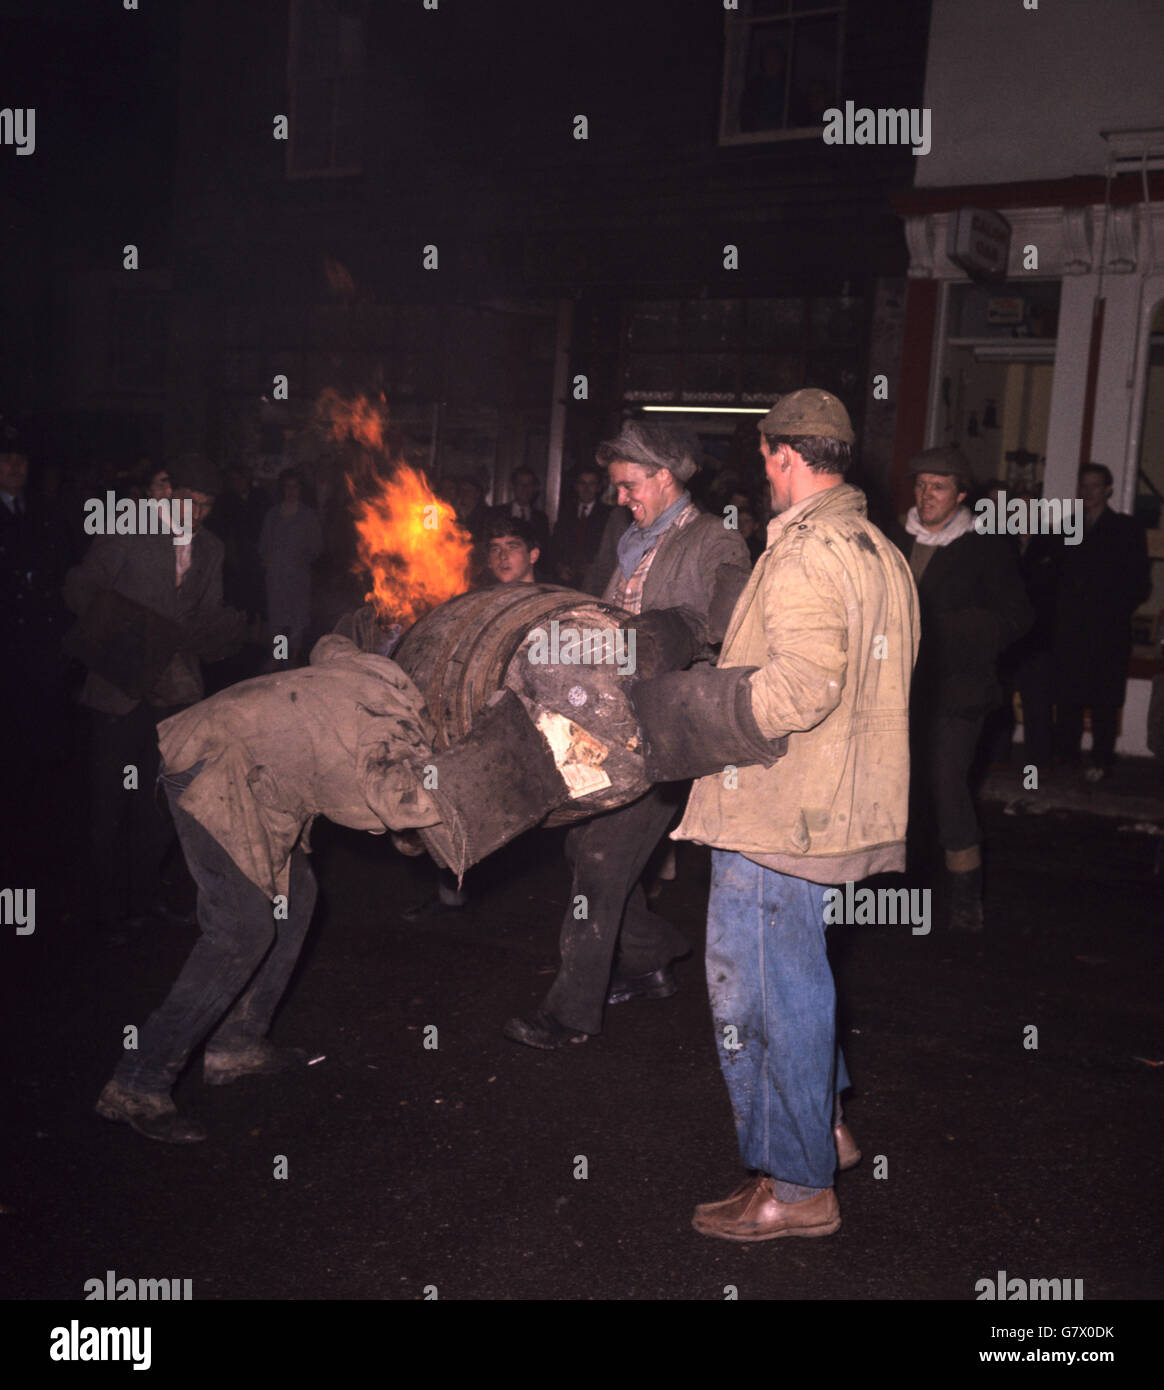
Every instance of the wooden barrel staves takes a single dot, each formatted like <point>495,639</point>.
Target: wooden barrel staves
<point>556,649</point>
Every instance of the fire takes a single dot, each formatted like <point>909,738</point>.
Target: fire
<point>408,539</point>
<point>359,419</point>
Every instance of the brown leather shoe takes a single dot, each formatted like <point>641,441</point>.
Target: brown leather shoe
<point>763,1217</point>
<point>848,1154</point>
<point>738,1198</point>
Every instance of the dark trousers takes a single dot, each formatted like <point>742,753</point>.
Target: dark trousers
<point>237,972</point>
<point>130,829</point>
<point>942,752</point>
<point>608,855</point>
<point>1104,723</point>
<point>1034,679</point>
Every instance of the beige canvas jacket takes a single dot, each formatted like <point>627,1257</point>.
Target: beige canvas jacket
<point>277,751</point>
<point>830,616</point>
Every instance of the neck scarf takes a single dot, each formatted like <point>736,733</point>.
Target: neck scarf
<point>634,544</point>
<point>961,522</point>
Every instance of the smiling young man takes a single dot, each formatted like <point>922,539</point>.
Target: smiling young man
<point>672,557</point>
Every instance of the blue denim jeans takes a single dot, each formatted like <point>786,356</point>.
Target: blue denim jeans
<point>769,979</point>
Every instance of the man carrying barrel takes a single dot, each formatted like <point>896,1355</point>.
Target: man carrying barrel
<point>247,772</point>
<point>681,570</point>
<point>800,740</point>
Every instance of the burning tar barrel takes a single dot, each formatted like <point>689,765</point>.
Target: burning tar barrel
<point>561,653</point>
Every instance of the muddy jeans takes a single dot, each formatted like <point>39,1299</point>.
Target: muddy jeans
<point>770,983</point>
<point>608,855</point>
<point>243,958</point>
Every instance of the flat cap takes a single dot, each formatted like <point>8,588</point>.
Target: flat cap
<point>947,460</point>
<point>809,412</point>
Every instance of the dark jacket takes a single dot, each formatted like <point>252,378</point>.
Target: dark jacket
<point>1102,581</point>
<point>33,549</point>
<point>704,567</point>
<point>973,606</point>
<point>142,568</point>
<point>575,544</point>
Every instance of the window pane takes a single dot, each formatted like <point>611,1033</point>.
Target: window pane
<point>768,375</point>
<point>833,322</point>
<point>709,378</point>
<point>712,323</point>
<point>814,70</point>
<point>651,374</point>
<point>311,128</point>
<point>654,325</point>
<point>317,38</point>
<point>835,372</point>
<point>766,78</point>
<point>775,323</point>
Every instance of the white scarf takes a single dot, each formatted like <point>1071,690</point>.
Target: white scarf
<point>961,522</point>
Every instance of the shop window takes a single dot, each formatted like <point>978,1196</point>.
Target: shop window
<point>994,397</point>
<point>782,69</point>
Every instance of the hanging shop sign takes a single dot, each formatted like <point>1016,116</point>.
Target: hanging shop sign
<point>979,242</point>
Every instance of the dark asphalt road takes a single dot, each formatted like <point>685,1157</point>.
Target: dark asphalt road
<point>410,1167</point>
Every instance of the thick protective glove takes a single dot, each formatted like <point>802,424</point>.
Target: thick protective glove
<point>666,639</point>
<point>494,784</point>
<point>696,723</point>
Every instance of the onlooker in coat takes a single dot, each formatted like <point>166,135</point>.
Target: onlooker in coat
<point>973,606</point>
<point>472,512</point>
<point>290,542</point>
<point>237,520</point>
<point>602,566</point>
<point>672,557</point>
<point>1029,663</point>
<point>523,484</point>
<point>1103,580</point>
<point>157,483</point>
<point>181,584</point>
<point>579,531</point>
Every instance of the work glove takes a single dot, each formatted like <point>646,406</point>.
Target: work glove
<point>696,723</point>
<point>494,784</point>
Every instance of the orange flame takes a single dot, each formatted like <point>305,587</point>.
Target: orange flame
<point>359,419</point>
<point>408,539</point>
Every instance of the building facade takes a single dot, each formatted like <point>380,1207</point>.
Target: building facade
<point>1054,358</point>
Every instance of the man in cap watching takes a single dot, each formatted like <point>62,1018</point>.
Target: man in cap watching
<point>168,596</point>
<point>800,740</point>
<point>681,570</point>
<point>973,606</point>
